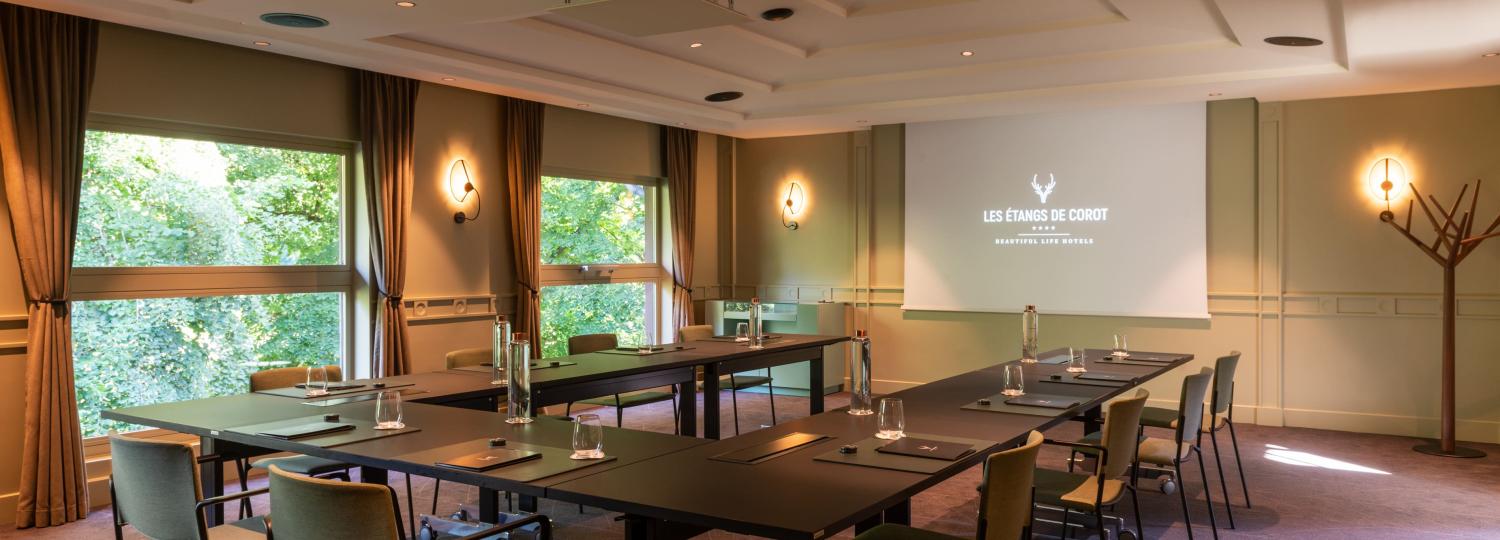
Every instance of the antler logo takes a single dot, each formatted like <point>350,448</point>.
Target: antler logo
<point>1041,190</point>
<point>926,448</point>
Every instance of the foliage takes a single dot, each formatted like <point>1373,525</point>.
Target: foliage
<point>151,201</point>
<point>593,222</point>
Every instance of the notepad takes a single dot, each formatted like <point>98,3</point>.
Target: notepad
<point>490,459</point>
<point>927,448</point>
<point>1105,376</point>
<point>308,429</point>
<point>334,387</point>
<point>1039,400</point>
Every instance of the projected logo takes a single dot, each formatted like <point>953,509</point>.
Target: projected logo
<point>1043,191</point>
<point>1046,226</point>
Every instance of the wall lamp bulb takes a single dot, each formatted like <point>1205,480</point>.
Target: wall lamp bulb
<point>790,206</point>
<point>460,171</point>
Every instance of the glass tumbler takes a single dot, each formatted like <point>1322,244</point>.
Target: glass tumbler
<point>646,344</point>
<point>588,437</point>
<point>892,420</point>
<point>1015,380</point>
<point>1076,361</point>
<point>742,332</point>
<point>1120,347</point>
<point>317,382</point>
<point>388,410</point>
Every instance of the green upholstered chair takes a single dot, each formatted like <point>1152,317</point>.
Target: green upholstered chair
<point>1115,450</point>
<point>1187,432</point>
<point>733,381</point>
<point>156,490</point>
<point>1221,409</point>
<point>469,357</point>
<point>588,343</point>
<point>1004,501</point>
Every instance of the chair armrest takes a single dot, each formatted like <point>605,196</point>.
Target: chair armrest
<point>208,458</point>
<point>545,529</point>
<point>205,503</point>
<point>1103,452</point>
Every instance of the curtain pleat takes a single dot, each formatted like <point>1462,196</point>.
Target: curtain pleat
<point>387,106</point>
<point>682,165</point>
<point>48,69</point>
<point>521,132</point>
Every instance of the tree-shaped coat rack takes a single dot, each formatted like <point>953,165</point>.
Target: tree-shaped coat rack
<point>1455,241</point>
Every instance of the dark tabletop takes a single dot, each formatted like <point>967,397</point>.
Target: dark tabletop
<point>793,496</point>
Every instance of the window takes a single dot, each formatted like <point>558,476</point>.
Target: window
<point>201,257</point>
<point>599,251</point>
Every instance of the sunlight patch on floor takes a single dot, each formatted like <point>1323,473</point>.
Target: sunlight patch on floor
<point>1282,454</point>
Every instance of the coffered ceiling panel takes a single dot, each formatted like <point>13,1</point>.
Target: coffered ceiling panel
<point>837,65</point>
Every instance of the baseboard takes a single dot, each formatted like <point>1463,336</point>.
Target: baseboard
<point>1479,431</point>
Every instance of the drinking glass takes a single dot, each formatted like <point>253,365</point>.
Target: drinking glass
<point>1120,347</point>
<point>317,382</point>
<point>1076,362</point>
<point>588,437</point>
<point>388,410</point>
<point>1015,380</point>
<point>892,420</point>
<point>646,344</point>
<point>742,332</point>
<point>518,380</point>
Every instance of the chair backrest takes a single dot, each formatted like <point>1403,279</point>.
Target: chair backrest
<point>1005,505</point>
<point>1122,427</point>
<point>588,343</point>
<point>697,332</point>
<point>469,357</point>
<point>1190,408</point>
<point>268,379</point>
<point>310,508</point>
<point>155,487</point>
<point>1223,397</point>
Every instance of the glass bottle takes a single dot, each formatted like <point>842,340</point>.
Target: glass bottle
<point>1029,341</point>
<point>757,337</point>
<point>499,350</point>
<point>859,374</point>
<point>518,375</point>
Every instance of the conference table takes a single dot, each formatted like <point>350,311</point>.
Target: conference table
<point>573,378</point>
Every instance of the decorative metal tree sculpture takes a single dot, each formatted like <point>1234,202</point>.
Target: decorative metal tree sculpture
<point>1455,241</point>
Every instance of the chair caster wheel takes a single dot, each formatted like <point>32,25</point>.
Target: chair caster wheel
<point>1167,485</point>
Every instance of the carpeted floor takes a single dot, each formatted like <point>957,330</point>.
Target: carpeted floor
<point>1305,484</point>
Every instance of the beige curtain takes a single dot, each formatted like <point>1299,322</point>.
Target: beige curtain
<point>521,131</point>
<point>681,146</point>
<point>48,68</point>
<point>387,106</point>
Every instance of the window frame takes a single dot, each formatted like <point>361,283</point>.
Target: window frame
<point>144,282</point>
<point>653,271</point>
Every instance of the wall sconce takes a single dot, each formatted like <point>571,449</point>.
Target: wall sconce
<point>795,200</point>
<point>458,178</point>
<point>1387,180</point>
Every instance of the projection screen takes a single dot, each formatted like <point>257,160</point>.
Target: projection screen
<point>1097,212</point>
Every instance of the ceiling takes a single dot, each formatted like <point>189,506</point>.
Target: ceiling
<point>838,65</point>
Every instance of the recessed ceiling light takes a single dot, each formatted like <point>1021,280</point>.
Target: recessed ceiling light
<point>294,20</point>
<point>777,14</point>
<point>967,53</point>
<point>861,121</point>
<point>720,97</point>
<point>263,43</point>
<point>583,105</point>
<point>1491,54</point>
<point>448,79</point>
<point>406,4</point>
<point>1215,94</point>
<point>1294,41</point>
<point>680,124</point>
<point>695,44</point>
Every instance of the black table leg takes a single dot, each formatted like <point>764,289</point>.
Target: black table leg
<point>644,528</point>
<point>687,408</point>
<point>373,475</point>
<point>815,382</point>
<point>711,401</point>
<point>868,523</point>
<point>211,475</point>
<point>527,503</point>
<point>1093,420</point>
<point>489,505</point>
<point>899,514</point>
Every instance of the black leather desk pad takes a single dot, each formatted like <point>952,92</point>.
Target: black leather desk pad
<point>867,456</point>
<point>299,393</point>
<point>489,460</point>
<point>1055,359</point>
<point>544,364</point>
<point>360,397</point>
<point>1112,361</point>
<point>998,404</point>
<point>1136,356</point>
<point>769,450</point>
<point>767,337</point>
<point>554,461</point>
<point>364,430</point>
<point>631,351</point>
<point>1106,376</point>
<point>1068,378</point>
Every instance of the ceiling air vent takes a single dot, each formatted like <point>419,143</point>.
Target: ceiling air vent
<point>294,20</point>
